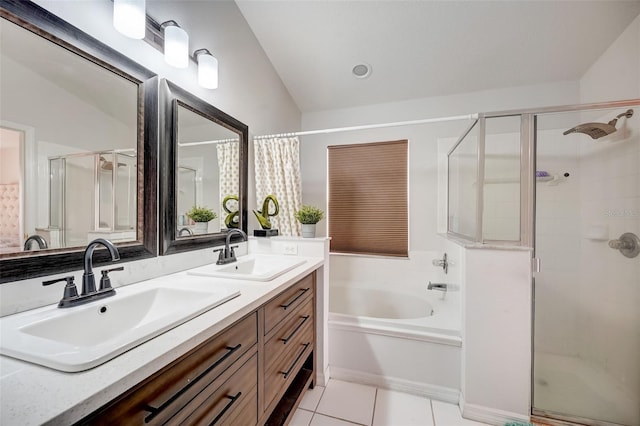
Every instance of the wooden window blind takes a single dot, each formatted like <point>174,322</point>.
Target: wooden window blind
<point>368,206</point>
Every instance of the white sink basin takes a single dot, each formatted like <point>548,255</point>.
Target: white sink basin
<point>252,267</point>
<point>82,337</point>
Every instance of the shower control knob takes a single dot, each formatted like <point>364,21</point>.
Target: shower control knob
<point>628,244</point>
<point>443,263</point>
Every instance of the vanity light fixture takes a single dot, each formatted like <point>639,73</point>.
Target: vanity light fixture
<point>129,17</point>
<point>173,41</point>
<point>207,68</point>
<point>176,45</point>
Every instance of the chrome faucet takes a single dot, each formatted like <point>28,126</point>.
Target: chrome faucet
<point>185,229</point>
<point>443,263</point>
<point>89,292</point>
<point>42,243</point>
<point>227,254</point>
<point>437,286</point>
<point>442,287</point>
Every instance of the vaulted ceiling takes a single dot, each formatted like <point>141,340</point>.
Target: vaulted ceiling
<point>429,48</point>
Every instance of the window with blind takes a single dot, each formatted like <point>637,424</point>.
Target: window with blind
<point>368,206</point>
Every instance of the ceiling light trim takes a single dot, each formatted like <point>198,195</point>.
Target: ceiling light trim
<point>361,70</point>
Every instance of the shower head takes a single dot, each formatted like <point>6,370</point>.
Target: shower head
<point>598,130</point>
<point>108,165</point>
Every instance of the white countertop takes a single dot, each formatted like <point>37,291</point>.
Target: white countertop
<point>33,395</point>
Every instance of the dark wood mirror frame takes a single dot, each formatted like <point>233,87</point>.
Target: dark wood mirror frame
<point>36,264</point>
<point>170,97</point>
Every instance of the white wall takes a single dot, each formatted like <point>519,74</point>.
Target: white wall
<point>616,74</point>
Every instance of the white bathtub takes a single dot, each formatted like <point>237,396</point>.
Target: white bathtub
<point>398,340</point>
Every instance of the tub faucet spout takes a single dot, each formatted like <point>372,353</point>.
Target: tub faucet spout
<point>437,286</point>
<point>442,287</point>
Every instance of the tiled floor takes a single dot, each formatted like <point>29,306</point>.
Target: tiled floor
<point>347,404</point>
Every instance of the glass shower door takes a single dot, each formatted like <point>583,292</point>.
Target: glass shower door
<point>587,294</point>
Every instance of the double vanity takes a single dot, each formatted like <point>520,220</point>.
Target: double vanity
<point>217,344</point>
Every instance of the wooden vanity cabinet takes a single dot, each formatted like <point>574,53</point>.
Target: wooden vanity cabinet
<point>289,344</point>
<point>253,372</point>
<point>173,393</point>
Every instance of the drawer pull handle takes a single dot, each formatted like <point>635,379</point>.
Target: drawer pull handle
<point>292,301</point>
<point>295,330</point>
<point>288,372</point>
<point>155,411</point>
<point>226,407</point>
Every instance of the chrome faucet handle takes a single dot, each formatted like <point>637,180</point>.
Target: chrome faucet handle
<point>70,290</point>
<point>88,279</point>
<point>105,281</point>
<point>443,263</point>
<point>233,252</point>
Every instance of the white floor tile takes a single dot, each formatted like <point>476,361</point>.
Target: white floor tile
<point>311,398</point>
<point>449,415</point>
<point>301,418</point>
<point>397,408</point>
<point>320,420</point>
<point>348,401</point>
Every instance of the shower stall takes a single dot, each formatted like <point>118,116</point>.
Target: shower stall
<point>93,195</point>
<point>571,192</point>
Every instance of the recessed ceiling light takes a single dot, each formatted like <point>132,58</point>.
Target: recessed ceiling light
<point>361,70</point>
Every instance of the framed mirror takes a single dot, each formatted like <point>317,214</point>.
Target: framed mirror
<point>203,180</point>
<point>78,138</point>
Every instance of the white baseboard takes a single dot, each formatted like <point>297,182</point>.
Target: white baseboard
<point>439,393</point>
<point>322,378</point>
<point>488,415</point>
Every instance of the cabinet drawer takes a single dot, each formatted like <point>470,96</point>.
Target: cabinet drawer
<point>284,338</point>
<point>280,306</point>
<point>282,362</point>
<point>165,393</point>
<point>218,403</point>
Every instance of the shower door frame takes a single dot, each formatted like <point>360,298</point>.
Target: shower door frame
<point>554,418</point>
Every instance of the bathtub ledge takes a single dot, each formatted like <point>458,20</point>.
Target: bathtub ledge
<point>431,337</point>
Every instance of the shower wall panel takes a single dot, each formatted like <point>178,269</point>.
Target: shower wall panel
<point>610,203</point>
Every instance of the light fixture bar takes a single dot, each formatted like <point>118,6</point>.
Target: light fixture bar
<point>156,36</point>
